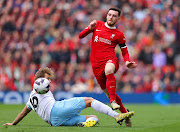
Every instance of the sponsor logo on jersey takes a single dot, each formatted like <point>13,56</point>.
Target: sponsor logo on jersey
<point>112,86</point>
<point>98,30</point>
<point>100,39</point>
<point>96,39</point>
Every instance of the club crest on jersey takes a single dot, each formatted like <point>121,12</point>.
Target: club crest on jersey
<point>112,36</point>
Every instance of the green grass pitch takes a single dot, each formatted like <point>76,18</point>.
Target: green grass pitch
<point>147,118</point>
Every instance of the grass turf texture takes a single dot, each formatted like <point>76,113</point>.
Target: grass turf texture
<point>148,118</point>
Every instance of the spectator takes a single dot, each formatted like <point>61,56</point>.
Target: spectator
<point>45,33</point>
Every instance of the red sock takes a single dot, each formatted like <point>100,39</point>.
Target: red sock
<point>122,108</point>
<point>111,86</point>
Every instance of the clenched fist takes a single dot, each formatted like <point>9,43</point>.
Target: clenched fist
<point>92,25</point>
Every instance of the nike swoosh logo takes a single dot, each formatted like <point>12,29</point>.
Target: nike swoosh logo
<point>98,30</point>
<point>112,86</point>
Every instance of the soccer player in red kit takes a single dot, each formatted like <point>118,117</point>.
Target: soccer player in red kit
<point>103,59</point>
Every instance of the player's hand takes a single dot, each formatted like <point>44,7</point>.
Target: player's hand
<point>131,64</point>
<point>92,25</point>
<point>8,124</point>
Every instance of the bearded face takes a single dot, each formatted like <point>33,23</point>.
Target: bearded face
<point>112,18</point>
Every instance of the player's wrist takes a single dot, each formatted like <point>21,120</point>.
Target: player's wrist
<point>13,124</point>
<point>127,62</point>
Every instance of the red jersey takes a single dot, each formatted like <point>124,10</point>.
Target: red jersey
<point>104,41</point>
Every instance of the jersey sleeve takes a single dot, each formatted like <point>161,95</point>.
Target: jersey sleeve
<point>85,32</point>
<point>28,104</point>
<point>122,39</point>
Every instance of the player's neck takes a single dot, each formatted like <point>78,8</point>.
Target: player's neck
<point>110,27</point>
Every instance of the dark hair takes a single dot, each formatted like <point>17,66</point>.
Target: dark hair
<point>116,9</point>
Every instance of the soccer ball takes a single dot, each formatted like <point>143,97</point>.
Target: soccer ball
<point>41,85</point>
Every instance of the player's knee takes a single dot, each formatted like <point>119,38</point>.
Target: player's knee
<point>109,68</point>
<point>88,101</point>
<point>108,71</point>
<point>89,98</point>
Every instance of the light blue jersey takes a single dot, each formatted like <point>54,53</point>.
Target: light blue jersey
<point>65,112</point>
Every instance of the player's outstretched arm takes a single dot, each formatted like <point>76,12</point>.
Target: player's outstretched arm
<point>88,29</point>
<point>20,116</point>
<point>125,54</point>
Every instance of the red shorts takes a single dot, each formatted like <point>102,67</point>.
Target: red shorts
<point>100,73</point>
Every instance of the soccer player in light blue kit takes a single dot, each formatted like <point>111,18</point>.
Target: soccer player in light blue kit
<point>65,112</point>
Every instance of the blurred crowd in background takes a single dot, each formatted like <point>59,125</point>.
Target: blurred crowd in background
<point>40,33</point>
